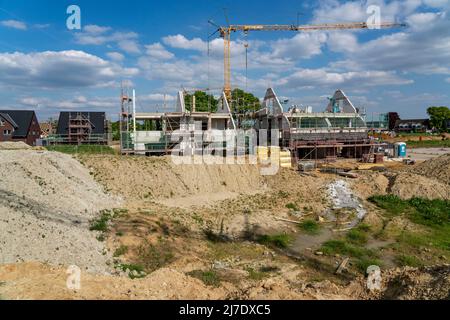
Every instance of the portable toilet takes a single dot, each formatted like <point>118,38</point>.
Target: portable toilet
<point>400,150</point>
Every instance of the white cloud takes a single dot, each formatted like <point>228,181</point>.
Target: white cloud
<point>157,97</point>
<point>77,103</point>
<point>15,24</point>
<point>59,69</point>
<point>41,25</point>
<point>424,48</point>
<point>157,51</point>
<point>308,78</point>
<point>342,42</point>
<point>129,46</point>
<point>115,56</point>
<point>437,3</point>
<point>332,11</point>
<point>92,28</point>
<point>96,35</point>
<point>181,42</point>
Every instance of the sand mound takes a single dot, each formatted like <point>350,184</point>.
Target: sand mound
<point>46,202</point>
<point>14,146</point>
<point>159,179</point>
<point>408,185</point>
<point>428,283</point>
<point>438,168</point>
<point>37,281</point>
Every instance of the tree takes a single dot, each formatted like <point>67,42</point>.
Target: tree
<point>439,116</point>
<point>242,102</point>
<point>203,102</point>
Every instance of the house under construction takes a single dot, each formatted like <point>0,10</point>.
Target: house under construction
<point>162,133</point>
<point>339,131</point>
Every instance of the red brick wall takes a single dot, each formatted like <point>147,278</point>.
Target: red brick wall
<point>34,132</point>
<point>6,126</point>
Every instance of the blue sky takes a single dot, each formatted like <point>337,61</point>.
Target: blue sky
<point>160,47</point>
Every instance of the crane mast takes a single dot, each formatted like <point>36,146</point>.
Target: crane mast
<point>225,33</point>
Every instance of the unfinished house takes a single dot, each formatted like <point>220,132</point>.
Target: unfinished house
<point>78,128</point>
<point>158,133</point>
<point>339,131</point>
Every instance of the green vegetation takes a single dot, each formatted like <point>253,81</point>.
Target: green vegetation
<point>431,234</point>
<point>242,101</point>
<point>433,213</point>
<point>101,224</point>
<point>429,144</point>
<point>358,236</point>
<point>261,273</point>
<point>209,278</point>
<point>154,257</point>
<point>278,240</point>
<point>120,251</point>
<point>392,204</point>
<point>310,227</point>
<point>203,102</point>
<point>406,260</point>
<point>292,206</point>
<point>82,149</point>
<point>364,257</point>
<point>439,117</point>
<point>132,267</point>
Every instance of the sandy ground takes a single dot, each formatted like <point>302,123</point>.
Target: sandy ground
<point>46,203</point>
<point>169,208</point>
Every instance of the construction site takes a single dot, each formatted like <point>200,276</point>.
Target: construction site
<point>298,203</point>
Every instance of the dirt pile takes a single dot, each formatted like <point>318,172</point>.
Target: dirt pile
<point>38,281</point>
<point>159,179</point>
<point>438,168</point>
<point>47,200</point>
<point>409,185</point>
<point>427,283</point>
<point>14,146</point>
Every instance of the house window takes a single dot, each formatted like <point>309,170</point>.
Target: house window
<point>7,132</point>
<point>1,123</point>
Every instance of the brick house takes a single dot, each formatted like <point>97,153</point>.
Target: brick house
<point>20,125</point>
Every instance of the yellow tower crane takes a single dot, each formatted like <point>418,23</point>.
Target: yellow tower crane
<point>225,33</point>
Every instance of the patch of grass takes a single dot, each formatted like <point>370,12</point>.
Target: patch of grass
<point>132,267</point>
<point>209,278</point>
<point>429,144</point>
<point>83,149</point>
<point>261,273</point>
<point>120,251</point>
<point>430,212</point>
<point>406,260</point>
<point>101,224</point>
<point>357,236</point>
<point>342,247</point>
<point>154,257</point>
<point>292,206</point>
<point>278,240</point>
<point>421,211</point>
<point>392,204</point>
<point>310,227</point>
<point>365,262</point>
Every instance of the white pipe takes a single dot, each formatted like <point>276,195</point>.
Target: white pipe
<point>134,117</point>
